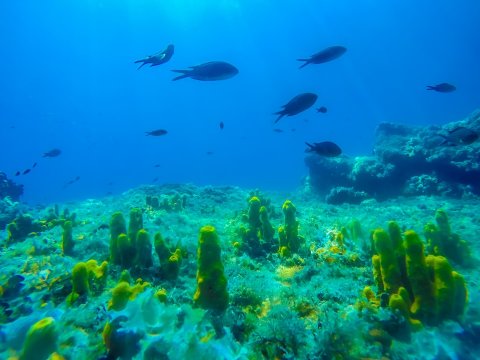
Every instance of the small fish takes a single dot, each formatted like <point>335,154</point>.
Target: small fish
<point>293,129</point>
<point>278,130</point>
<point>443,87</point>
<point>34,165</point>
<point>209,153</point>
<point>159,58</point>
<point>158,132</point>
<point>322,109</point>
<point>26,171</point>
<point>222,125</point>
<point>326,55</point>
<point>298,104</point>
<point>460,136</point>
<point>210,71</point>
<point>157,165</point>
<point>324,148</point>
<point>17,173</point>
<point>52,153</point>
<point>155,179</point>
<point>70,182</point>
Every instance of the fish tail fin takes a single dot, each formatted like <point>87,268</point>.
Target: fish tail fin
<point>141,65</point>
<point>430,88</point>
<point>304,64</point>
<point>280,115</point>
<point>310,147</point>
<point>185,74</point>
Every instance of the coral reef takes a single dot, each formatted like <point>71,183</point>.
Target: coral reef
<point>9,189</point>
<point>300,302</point>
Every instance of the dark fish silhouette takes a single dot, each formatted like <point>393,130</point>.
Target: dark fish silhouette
<point>324,148</point>
<point>298,104</point>
<point>34,165</point>
<point>209,152</point>
<point>157,165</point>
<point>222,125</point>
<point>459,136</point>
<point>158,132</point>
<point>443,87</point>
<point>26,172</point>
<point>159,58</point>
<point>70,182</point>
<point>278,130</point>
<point>326,55</point>
<point>322,109</point>
<point>52,153</point>
<point>17,173</point>
<point>210,71</point>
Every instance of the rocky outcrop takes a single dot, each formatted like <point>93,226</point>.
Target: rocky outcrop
<point>407,161</point>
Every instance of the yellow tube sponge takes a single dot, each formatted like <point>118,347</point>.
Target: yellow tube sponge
<point>423,306</point>
<point>289,232</point>
<point>117,227</point>
<point>143,257</point>
<point>450,289</point>
<point>80,286</point>
<point>461,295</point>
<point>377,273</point>
<point>211,290</point>
<point>67,238</point>
<point>391,276</point>
<point>41,340</point>
<point>397,303</point>
<point>123,292</point>
<point>97,275</point>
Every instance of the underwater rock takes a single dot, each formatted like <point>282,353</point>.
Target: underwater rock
<point>9,188</point>
<point>341,195</point>
<point>8,211</point>
<point>408,161</point>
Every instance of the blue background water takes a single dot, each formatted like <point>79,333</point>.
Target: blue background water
<point>68,81</point>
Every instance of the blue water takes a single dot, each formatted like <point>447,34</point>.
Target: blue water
<point>68,81</point>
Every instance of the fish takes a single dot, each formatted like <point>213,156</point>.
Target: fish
<point>70,182</point>
<point>157,59</point>
<point>34,165</point>
<point>17,173</point>
<point>155,179</point>
<point>443,87</point>
<point>26,172</point>
<point>156,165</point>
<point>278,130</point>
<point>158,132</point>
<point>298,104</point>
<point>322,109</point>
<point>459,136</point>
<point>222,125</point>
<point>52,153</point>
<point>210,71</point>
<point>326,55</point>
<point>324,148</point>
<point>209,152</point>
